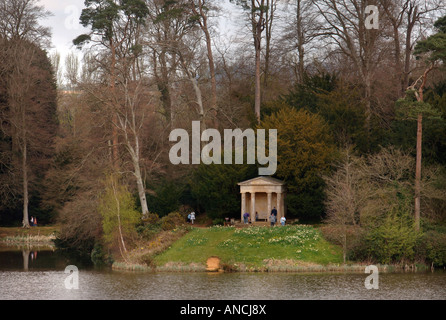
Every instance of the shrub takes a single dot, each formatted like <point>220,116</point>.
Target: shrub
<point>153,225</point>
<point>99,257</point>
<point>117,208</point>
<point>151,218</point>
<point>171,221</point>
<point>432,248</point>
<point>392,241</point>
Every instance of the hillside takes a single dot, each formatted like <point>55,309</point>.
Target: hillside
<point>252,248</point>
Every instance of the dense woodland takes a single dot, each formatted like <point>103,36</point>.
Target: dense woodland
<point>359,105</point>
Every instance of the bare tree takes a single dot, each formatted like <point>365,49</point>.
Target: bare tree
<point>362,190</point>
<point>404,17</point>
<point>345,22</point>
<point>256,16</point>
<point>115,27</point>
<point>299,35</point>
<point>20,19</point>
<point>345,198</point>
<point>200,8</point>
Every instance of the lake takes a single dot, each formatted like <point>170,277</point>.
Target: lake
<point>39,275</point>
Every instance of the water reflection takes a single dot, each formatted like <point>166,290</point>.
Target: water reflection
<point>28,258</point>
<point>45,279</point>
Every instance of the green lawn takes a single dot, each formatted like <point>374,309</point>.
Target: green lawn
<point>251,246</point>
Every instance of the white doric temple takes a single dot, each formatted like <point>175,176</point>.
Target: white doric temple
<point>261,195</point>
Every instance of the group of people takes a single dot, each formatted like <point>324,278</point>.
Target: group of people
<point>33,221</point>
<point>191,217</point>
<point>272,218</point>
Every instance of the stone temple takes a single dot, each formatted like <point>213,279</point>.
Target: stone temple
<point>261,195</point>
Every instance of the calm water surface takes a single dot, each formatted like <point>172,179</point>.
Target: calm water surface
<point>33,275</point>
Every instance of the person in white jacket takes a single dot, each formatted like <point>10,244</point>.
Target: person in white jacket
<point>282,221</point>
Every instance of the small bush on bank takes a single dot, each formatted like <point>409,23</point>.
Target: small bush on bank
<point>432,248</point>
<point>393,241</point>
<point>99,256</point>
<point>171,221</point>
<point>153,225</point>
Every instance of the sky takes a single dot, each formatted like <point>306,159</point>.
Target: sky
<point>64,23</point>
<point>65,26</point>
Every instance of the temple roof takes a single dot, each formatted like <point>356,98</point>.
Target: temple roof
<point>262,181</point>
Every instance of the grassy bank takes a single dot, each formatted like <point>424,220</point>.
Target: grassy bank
<point>251,249</point>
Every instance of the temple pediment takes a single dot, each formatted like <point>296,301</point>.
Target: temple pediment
<point>262,181</point>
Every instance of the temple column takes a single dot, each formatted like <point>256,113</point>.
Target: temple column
<point>243,205</point>
<point>279,207</point>
<point>270,196</point>
<point>252,214</point>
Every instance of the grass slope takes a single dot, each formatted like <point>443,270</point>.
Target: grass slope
<point>252,247</point>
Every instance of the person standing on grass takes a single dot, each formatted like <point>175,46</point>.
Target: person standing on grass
<point>192,217</point>
<point>272,219</point>
<point>245,217</point>
<point>282,221</point>
<point>274,211</point>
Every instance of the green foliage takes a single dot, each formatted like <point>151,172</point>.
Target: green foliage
<point>369,203</point>
<point>166,196</point>
<point>215,188</point>
<point>304,150</point>
<point>154,225</point>
<point>337,103</point>
<point>307,95</point>
<point>394,240</point>
<point>100,15</point>
<point>404,127</point>
<point>171,221</point>
<point>151,218</point>
<point>434,47</point>
<point>409,108</point>
<point>99,256</point>
<point>432,248</point>
<point>304,146</point>
<point>117,208</point>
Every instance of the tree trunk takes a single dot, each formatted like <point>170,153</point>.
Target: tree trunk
<point>204,27</point>
<point>411,20</point>
<point>268,27</point>
<point>300,43</point>
<point>418,172</point>
<point>257,28</point>
<point>420,98</point>
<point>142,194</point>
<point>257,89</point>
<point>24,148</point>
<point>25,221</point>
<point>134,153</point>
<point>141,189</point>
<point>398,67</point>
<point>197,90</point>
<point>135,156</point>
<point>163,86</point>
<point>114,120</point>
<point>257,95</point>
